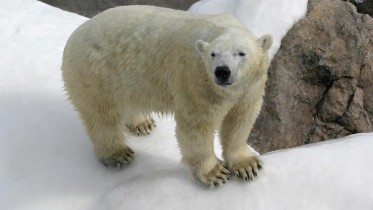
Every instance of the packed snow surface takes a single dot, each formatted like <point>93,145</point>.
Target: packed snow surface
<point>274,17</point>
<point>47,161</point>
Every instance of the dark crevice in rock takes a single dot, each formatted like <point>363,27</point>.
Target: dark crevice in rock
<point>350,100</point>
<point>340,120</point>
<point>318,109</point>
<point>312,130</point>
<point>316,72</point>
<point>345,77</point>
<point>322,100</point>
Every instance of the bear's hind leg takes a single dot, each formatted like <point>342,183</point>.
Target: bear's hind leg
<point>103,126</point>
<point>140,124</point>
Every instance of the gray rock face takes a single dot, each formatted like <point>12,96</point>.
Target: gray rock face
<point>90,8</point>
<point>363,6</point>
<point>321,80</point>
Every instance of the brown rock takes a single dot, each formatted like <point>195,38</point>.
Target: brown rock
<point>355,119</point>
<point>89,8</point>
<point>320,82</point>
<point>336,100</point>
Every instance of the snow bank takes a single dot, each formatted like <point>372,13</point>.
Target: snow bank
<point>274,17</point>
<point>47,161</point>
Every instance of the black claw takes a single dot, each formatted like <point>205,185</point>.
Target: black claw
<point>260,166</point>
<point>221,178</point>
<point>216,184</point>
<point>248,172</point>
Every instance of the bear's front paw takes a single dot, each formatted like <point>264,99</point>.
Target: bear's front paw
<point>217,176</point>
<point>142,128</point>
<point>246,168</point>
<point>119,159</point>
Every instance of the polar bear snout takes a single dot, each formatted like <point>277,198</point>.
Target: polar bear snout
<point>222,75</point>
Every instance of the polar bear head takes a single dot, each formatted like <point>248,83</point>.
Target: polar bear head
<point>233,56</point>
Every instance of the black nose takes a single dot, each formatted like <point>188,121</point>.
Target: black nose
<point>222,73</point>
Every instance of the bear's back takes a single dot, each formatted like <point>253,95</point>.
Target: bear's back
<point>152,25</point>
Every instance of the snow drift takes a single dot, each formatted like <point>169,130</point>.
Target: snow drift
<point>47,161</point>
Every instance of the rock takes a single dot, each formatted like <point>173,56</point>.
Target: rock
<point>320,82</point>
<point>90,8</point>
<point>363,6</point>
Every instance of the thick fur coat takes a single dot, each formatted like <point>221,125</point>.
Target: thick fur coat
<point>209,71</point>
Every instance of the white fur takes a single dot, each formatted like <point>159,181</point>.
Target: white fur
<point>129,61</point>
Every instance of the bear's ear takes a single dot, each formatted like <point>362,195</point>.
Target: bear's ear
<point>201,46</point>
<point>265,42</point>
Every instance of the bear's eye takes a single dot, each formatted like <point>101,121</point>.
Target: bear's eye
<point>241,54</point>
<point>212,54</point>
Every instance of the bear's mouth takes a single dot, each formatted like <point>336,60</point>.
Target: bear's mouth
<point>224,84</point>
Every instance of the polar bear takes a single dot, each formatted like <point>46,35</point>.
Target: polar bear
<point>209,71</point>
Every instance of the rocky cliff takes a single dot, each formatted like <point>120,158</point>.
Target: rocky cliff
<point>321,81</point>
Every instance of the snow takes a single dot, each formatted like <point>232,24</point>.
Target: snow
<point>274,17</point>
<point>47,161</point>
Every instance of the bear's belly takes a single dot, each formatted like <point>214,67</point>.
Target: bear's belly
<point>149,98</point>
